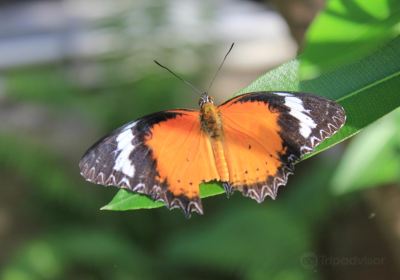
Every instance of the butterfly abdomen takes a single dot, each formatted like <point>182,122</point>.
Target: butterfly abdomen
<point>220,160</point>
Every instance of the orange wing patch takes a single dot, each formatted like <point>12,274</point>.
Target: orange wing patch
<point>252,146</point>
<point>183,154</point>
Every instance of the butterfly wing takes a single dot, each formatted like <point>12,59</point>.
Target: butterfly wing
<point>265,133</point>
<point>164,155</point>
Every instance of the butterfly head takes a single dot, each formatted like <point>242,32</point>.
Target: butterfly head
<point>204,99</point>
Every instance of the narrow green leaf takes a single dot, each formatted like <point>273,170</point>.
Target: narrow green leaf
<point>282,78</point>
<point>125,200</point>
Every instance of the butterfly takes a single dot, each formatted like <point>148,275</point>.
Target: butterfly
<point>248,144</point>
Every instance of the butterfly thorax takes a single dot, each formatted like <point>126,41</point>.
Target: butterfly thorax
<point>210,120</point>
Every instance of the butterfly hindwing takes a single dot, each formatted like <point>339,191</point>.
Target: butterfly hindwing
<point>267,132</point>
<point>163,155</point>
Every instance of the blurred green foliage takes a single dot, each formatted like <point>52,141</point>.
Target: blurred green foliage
<point>51,256</point>
<point>347,31</point>
<point>63,236</point>
<point>372,159</point>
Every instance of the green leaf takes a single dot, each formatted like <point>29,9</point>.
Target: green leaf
<point>367,89</point>
<point>126,200</point>
<point>347,31</point>
<point>372,159</point>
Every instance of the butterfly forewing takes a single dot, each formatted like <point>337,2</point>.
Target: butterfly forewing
<point>305,120</point>
<point>122,159</point>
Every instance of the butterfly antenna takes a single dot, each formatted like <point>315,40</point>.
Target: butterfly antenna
<point>220,66</point>
<point>177,76</point>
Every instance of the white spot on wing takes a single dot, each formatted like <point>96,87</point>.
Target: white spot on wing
<point>298,111</point>
<point>125,148</point>
<point>283,93</point>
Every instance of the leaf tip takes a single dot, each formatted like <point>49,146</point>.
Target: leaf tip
<point>106,207</point>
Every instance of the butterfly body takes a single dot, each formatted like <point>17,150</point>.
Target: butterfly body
<point>248,144</point>
<point>212,127</point>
